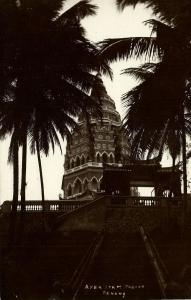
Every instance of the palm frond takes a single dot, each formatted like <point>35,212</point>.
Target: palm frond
<point>40,9</point>
<point>78,11</point>
<point>167,36</point>
<point>46,71</point>
<point>121,4</point>
<point>125,48</point>
<point>176,12</point>
<point>141,73</point>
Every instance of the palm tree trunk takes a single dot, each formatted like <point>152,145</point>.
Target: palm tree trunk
<point>42,185</point>
<point>23,192</point>
<point>13,216</point>
<point>169,201</point>
<point>162,142</point>
<point>41,176</point>
<point>15,177</point>
<point>23,178</point>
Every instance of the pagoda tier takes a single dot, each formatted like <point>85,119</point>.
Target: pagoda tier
<point>86,153</point>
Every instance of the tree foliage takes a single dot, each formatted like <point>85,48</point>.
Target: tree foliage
<point>47,71</point>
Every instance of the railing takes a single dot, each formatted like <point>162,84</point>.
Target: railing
<point>112,201</point>
<point>76,282</point>
<point>50,205</point>
<point>88,164</point>
<point>124,201</point>
<point>159,268</point>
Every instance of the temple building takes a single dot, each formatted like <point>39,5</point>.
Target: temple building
<point>165,181</point>
<point>85,157</point>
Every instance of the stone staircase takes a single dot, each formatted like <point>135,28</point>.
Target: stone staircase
<point>121,270</point>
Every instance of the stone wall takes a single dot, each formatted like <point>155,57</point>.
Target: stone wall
<point>90,217</point>
<point>129,219</point>
<point>99,215</point>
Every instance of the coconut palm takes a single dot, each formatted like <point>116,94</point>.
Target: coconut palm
<point>172,11</point>
<point>64,58</point>
<point>12,124</point>
<point>148,130</point>
<point>177,14</point>
<point>46,60</point>
<point>167,89</point>
<point>145,123</point>
<point>50,118</point>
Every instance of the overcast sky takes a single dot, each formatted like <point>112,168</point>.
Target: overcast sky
<point>108,23</point>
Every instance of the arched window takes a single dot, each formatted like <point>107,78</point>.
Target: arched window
<point>111,160</point>
<point>87,158</point>
<point>77,187</point>
<point>77,161</point>
<point>82,160</point>
<point>98,158</point>
<point>104,158</point>
<point>85,184</point>
<point>69,190</point>
<point>72,164</point>
<point>94,184</point>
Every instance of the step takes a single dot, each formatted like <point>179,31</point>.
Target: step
<point>121,268</point>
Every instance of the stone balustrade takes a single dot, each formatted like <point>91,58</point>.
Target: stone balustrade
<point>50,205</point>
<point>141,201</point>
<point>112,201</point>
<point>90,164</point>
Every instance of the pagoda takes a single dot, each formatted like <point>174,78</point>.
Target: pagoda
<point>83,167</point>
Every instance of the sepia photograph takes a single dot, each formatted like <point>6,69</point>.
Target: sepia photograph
<point>95,148</point>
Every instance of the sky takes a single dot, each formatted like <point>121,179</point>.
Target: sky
<point>108,23</point>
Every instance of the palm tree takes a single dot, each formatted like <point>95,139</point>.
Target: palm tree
<point>145,123</point>
<point>171,47</point>
<point>148,131</point>
<point>14,152</point>
<point>173,11</point>
<point>10,124</point>
<point>47,61</point>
